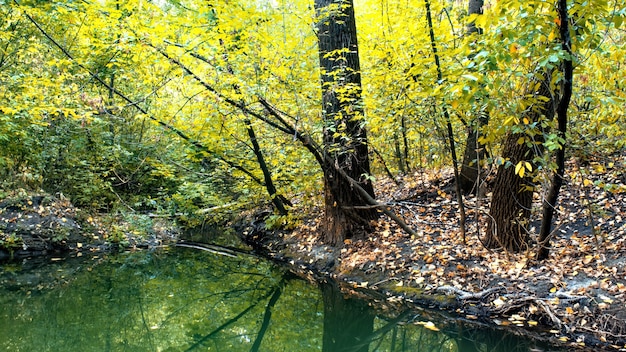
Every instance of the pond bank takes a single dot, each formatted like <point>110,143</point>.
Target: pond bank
<point>40,224</point>
<point>576,298</point>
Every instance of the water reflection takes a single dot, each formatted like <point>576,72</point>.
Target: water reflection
<point>187,300</point>
<point>348,323</point>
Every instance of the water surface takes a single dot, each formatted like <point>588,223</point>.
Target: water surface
<point>183,299</point>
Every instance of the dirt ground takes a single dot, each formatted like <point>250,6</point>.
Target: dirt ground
<point>577,296</point>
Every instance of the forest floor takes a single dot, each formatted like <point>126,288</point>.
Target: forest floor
<point>576,297</point>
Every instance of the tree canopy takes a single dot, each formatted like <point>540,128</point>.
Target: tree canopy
<point>149,105</point>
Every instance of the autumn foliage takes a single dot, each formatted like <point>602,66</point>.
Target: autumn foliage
<point>148,106</point>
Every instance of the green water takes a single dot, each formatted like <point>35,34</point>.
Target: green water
<point>187,300</point>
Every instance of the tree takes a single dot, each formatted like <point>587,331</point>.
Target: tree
<point>469,175</point>
<point>513,192</point>
<point>347,212</point>
<point>561,110</point>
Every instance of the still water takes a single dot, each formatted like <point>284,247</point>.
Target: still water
<point>183,299</point>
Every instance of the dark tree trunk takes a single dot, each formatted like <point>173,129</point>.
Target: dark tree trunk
<point>446,114</point>
<point>511,200</point>
<point>345,139</point>
<point>512,196</point>
<point>277,199</point>
<point>474,7</point>
<point>557,179</point>
<point>405,143</point>
<point>474,151</point>
<point>348,323</point>
<point>399,155</point>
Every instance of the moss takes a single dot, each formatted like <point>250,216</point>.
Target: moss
<point>420,294</point>
<point>407,290</point>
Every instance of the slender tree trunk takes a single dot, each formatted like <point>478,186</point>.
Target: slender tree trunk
<point>345,139</point>
<point>513,195</point>
<point>405,143</point>
<point>277,199</point>
<point>474,151</point>
<point>450,134</point>
<point>557,179</point>
<point>399,155</point>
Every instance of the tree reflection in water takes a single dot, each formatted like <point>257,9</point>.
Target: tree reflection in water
<point>348,322</point>
<point>190,300</point>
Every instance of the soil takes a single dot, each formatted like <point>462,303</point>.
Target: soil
<point>576,298</point>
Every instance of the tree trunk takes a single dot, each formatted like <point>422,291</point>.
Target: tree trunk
<point>345,140</point>
<point>512,196</point>
<point>511,200</point>
<point>474,151</point>
<point>277,199</point>
<point>557,179</point>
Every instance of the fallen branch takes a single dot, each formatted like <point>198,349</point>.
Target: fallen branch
<point>208,210</point>
<point>374,202</point>
<point>466,295</point>
<point>551,315</point>
<point>209,248</point>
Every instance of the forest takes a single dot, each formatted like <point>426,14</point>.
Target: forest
<point>436,143</point>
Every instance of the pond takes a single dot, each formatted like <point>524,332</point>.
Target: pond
<point>181,299</point>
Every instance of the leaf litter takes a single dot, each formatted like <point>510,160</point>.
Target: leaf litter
<point>577,295</point>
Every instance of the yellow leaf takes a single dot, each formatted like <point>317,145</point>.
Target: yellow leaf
<point>569,310</point>
<point>528,166</point>
<point>551,36</point>
<point>553,290</point>
<point>481,21</point>
<point>430,326</point>
<point>519,169</point>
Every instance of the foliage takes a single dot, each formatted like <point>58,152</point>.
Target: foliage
<point>101,120</point>
<point>10,241</point>
<point>287,222</point>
